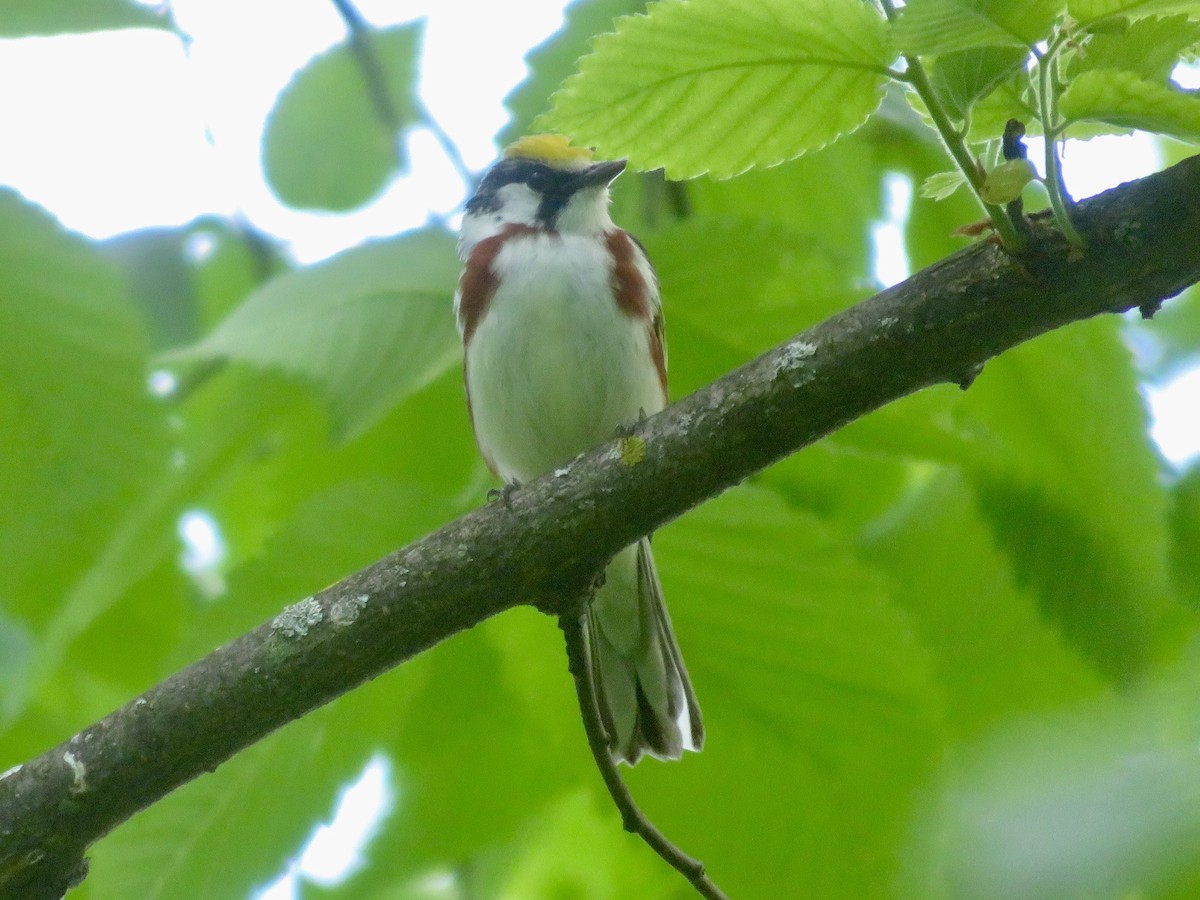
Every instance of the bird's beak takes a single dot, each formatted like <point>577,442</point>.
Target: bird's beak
<point>601,173</point>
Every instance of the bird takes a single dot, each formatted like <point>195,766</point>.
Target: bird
<point>562,329</point>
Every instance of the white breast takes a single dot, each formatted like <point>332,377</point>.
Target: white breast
<point>555,367</point>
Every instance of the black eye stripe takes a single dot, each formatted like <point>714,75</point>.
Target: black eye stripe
<point>554,186</point>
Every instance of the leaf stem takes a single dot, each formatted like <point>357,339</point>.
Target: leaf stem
<point>955,142</point>
<point>1055,188</point>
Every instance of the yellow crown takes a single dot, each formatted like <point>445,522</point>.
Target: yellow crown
<point>549,148</point>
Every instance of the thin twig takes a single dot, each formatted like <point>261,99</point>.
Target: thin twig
<point>632,818</point>
<point>381,97</point>
<point>369,65</point>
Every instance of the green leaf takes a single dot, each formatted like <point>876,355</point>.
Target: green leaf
<point>821,198</point>
<point>494,729</point>
<point>1149,47</point>
<point>185,279</point>
<point>553,61</point>
<point>1004,183</point>
<point>995,653</point>
<point>231,831</point>
<point>83,439</point>
<point>1099,801</point>
<point>545,862</point>
<point>1013,99</point>
<point>1085,11</point>
<point>369,327</point>
<point>327,144</point>
<point>703,87</point>
<point>942,26</point>
<point>705,260</point>
<point>966,76</point>
<point>19,18</point>
<point>1062,461</point>
<point>818,702</point>
<point>1185,535</point>
<point>941,185</point>
<point>1128,100</point>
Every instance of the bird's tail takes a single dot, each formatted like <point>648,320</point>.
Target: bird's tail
<point>646,700</point>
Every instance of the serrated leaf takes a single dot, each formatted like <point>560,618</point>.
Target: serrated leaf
<point>943,26</point>
<point>551,62</point>
<point>704,87</point>
<point>369,326</point>
<point>1148,47</point>
<point>22,18</point>
<point>1013,99</point>
<point>941,185</point>
<point>1128,100</point>
<point>327,144</point>
<point>966,76</point>
<point>1085,11</point>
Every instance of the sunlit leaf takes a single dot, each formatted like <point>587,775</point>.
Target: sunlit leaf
<point>942,26</point>
<point>966,76</point>
<point>1149,47</point>
<point>551,62</point>
<point>704,87</point>
<point>1004,183</point>
<point>1127,100</point>
<point>941,185</point>
<point>994,651</point>
<point>1085,11</point>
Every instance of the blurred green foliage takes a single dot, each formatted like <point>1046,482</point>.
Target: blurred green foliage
<point>949,651</point>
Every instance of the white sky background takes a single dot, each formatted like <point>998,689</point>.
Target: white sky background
<point>118,131</point>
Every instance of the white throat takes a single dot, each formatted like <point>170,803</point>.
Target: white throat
<point>586,213</point>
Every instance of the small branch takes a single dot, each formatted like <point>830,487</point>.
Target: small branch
<point>632,818</point>
<point>468,176</point>
<point>1055,188</point>
<point>381,97</point>
<point>370,66</point>
<point>955,143</point>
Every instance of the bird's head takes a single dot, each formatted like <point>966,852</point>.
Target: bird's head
<point>543,182</point>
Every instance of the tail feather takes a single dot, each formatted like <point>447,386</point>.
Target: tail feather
<point>646,700</point>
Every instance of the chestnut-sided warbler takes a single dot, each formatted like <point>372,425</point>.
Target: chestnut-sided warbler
<point>563,334</point>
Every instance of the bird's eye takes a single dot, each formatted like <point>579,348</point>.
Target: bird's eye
<point>538,179</point>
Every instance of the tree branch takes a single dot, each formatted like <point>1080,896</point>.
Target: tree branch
<point>545,543</point>
<point>375,78</point>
